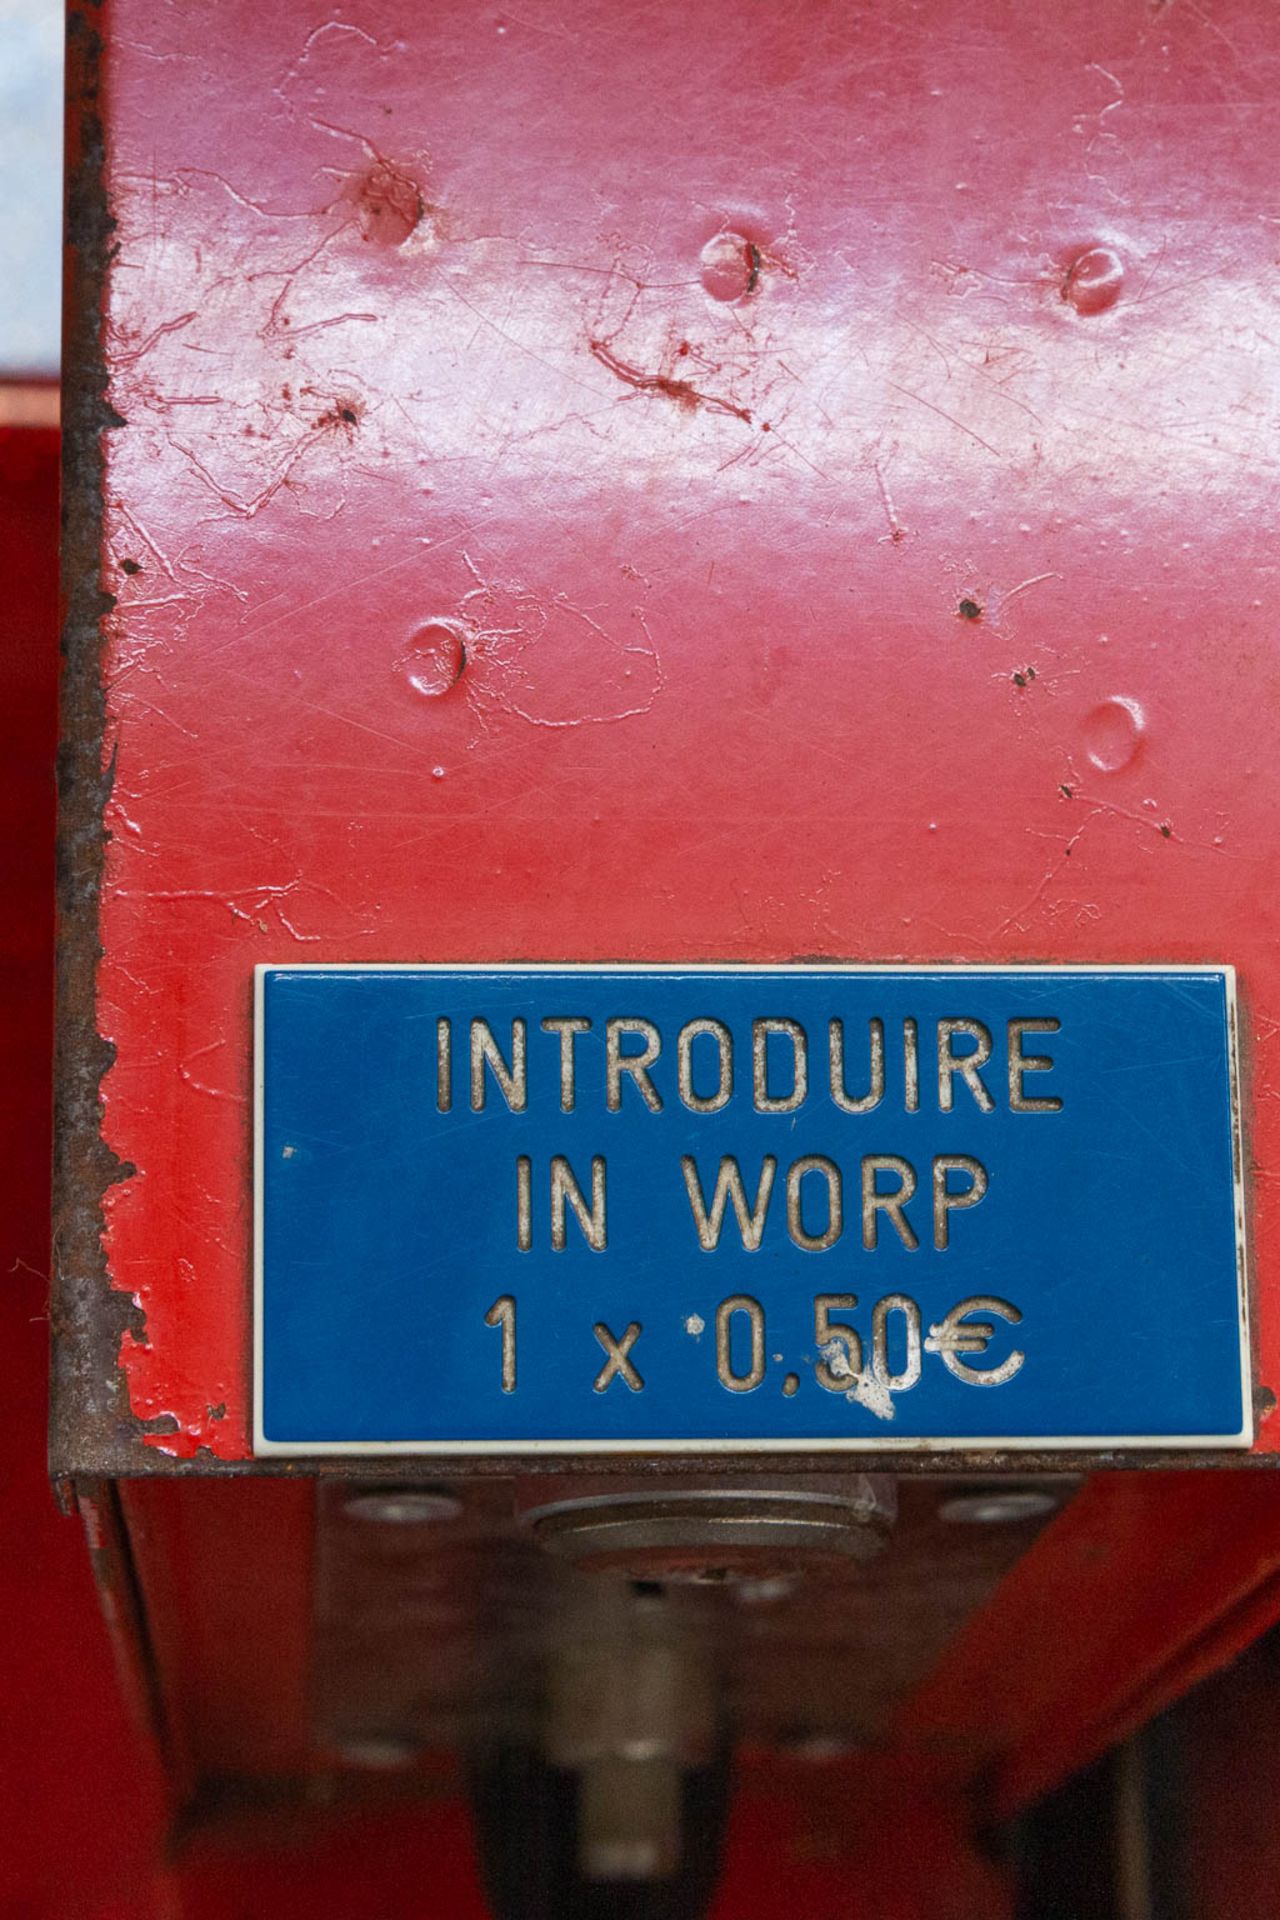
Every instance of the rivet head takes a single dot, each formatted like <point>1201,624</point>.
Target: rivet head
<point>1094,280</point>
<point>403,1506</point>
<point>1113,733</point>
<point>1001,1507</point>
<point>436,657</point>
<point>730,266</point>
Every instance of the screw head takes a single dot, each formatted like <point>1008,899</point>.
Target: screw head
<point>403,1506</point>
<point>1001,1507</point>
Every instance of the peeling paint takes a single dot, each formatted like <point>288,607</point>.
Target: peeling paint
<point>718,702</point>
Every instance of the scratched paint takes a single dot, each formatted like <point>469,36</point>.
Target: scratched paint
<point>451,322</point>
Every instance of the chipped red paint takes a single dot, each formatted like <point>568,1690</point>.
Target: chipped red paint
<point>696,365</point>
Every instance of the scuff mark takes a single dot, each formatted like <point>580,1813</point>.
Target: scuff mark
<point>897,532</point>
<point>256,900</point>
<point>1101,132</point>
<point>871,1392</point>
<point>203,1086</point>
<point>836,1355</point>
<point>510,625</point>
<point>128,357</point>
<point>1035,581</point>
<point>932,407</point>
<point>1070,789</point>
<point>866,1388</point>
<point>683,392</point>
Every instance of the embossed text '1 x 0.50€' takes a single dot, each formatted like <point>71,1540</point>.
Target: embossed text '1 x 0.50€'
<point>510,1208</point>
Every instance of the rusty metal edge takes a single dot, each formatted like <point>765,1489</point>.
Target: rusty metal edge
<point>149,1462</point>
<point>92,1429</point>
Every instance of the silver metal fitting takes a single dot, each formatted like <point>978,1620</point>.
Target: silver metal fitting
<point>732,1528</point>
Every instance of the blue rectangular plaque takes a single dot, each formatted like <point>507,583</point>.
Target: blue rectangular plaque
<point>517,1209</point>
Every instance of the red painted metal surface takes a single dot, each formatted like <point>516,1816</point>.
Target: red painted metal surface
<point>842,441</point>
<point>659,482</point>
<point>80,1792</point>
<point>1144,1587</point>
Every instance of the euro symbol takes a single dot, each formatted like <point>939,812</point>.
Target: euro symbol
<point>951,1338</point>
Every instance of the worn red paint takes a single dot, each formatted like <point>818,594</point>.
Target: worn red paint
<point>718,703</point>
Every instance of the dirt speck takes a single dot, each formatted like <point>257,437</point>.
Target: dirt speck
<point>344,413</point>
